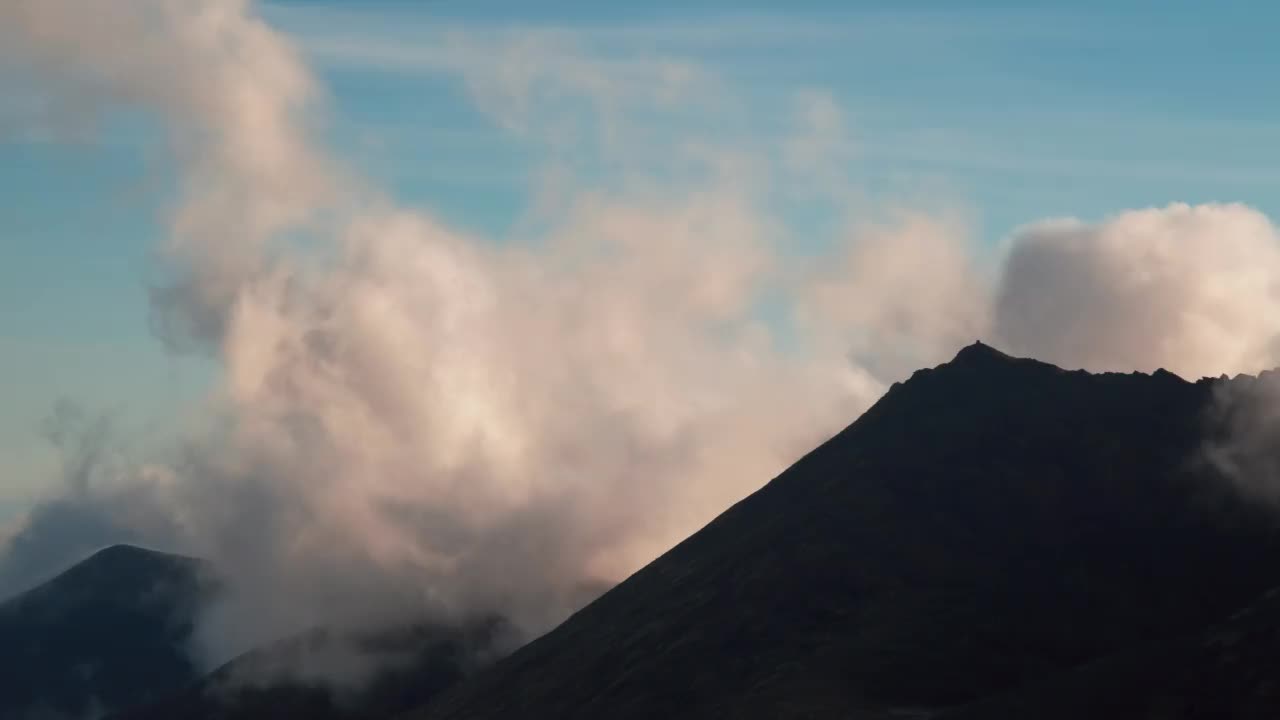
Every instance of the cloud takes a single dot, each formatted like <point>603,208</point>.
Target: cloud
<point>234,99</point>
<point>412,420</point>
<point>1244,432</point>
<point>1195,290</point>
<point>535,83</point>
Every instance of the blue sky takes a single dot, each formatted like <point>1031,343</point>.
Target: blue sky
<point>1010,111</point>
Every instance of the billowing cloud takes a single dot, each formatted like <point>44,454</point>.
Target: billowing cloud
<point>1195,290</point>
<point>235,102</point>
<point>413,420</point>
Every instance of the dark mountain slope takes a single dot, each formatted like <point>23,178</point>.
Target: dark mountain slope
<point>107,633</point>
<point>326,675</point>
<point>1229,672</point>
<point>987,524</point>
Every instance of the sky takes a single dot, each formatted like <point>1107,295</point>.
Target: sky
<point>1001,114</point>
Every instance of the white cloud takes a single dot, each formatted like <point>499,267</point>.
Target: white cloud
<point>1191,289</point>
<point>413,419</point>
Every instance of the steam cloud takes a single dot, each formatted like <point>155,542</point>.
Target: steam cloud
<point>412,420</point>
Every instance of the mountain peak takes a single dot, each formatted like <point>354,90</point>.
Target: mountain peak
<point>124,560</point>
<point>980,353</point>
<point>127,552</point>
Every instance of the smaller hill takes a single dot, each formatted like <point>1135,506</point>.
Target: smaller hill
<point>330,675</point>
<point>107,633</point>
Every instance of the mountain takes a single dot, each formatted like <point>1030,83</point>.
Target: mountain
<point>329,675</point>
<point>107,633</point>
<point>988,526</point>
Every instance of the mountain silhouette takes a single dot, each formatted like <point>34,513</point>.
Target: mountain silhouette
<point>989,525</point>
<point>110,632</point>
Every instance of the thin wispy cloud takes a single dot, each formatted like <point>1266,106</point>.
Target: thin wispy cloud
<point>689,30</point>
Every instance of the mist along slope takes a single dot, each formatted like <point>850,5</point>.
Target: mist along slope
<point>344,674</point>
<point>107,633</point>
<point>987,525</point>
<point>330,675</point>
